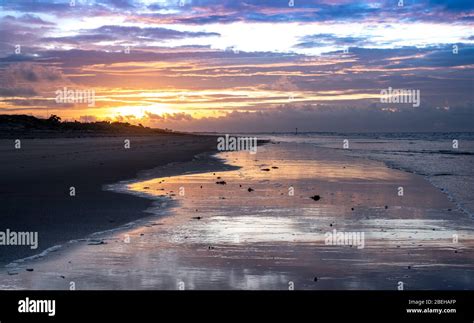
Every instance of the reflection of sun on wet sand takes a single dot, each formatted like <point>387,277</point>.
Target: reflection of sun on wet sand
<point>257,227</point>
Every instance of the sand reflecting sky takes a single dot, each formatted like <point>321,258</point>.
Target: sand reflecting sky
<point>214,236</point>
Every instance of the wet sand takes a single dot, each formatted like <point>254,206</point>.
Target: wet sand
<point>205,235</point>
<point>36,181</point>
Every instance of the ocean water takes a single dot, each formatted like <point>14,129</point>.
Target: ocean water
<point>431,155</point>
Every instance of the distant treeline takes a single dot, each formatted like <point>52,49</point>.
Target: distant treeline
<point>29,126</point>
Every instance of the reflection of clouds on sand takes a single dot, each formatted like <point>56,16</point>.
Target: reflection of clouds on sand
<point>250,229</point>
<point>223,236</point>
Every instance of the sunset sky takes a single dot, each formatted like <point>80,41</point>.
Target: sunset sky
<point>250,65</point>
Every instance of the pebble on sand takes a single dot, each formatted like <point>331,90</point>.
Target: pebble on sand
<point>265,169</point>
<point>250,189</point>
<point>221,182</point>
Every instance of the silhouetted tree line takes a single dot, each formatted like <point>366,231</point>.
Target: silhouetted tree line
<point>25,123</point>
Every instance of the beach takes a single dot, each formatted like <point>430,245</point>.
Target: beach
<point>36,183</point>
<point>271,220</point>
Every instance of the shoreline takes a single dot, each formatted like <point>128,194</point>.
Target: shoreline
<point>38,177</point>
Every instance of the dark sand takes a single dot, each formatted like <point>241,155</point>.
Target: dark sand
<point>35,182</point>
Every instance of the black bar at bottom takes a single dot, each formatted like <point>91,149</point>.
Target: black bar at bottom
<point>449,306</point>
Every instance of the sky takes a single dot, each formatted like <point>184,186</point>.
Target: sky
<point>241,66</point>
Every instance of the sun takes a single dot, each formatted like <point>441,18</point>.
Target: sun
<point>140,112</point>
<point>135,111</point>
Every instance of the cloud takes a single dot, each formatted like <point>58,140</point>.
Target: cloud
<point>31,73</point>
<point>458,5</point>
<point>151,33</point>
<point>30,85</point>
<point>331,39</point>
<point>15,91</point>
<point>227,11</point>
<point>325,119</point>
<point>88,118</point>
<point>27,19</point>
<point>168,117</point>
<point>282,51</point>
<point>125,34</point>
<point>122,4</point>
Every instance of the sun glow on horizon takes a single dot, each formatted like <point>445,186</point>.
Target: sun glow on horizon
<point>140,112</point>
